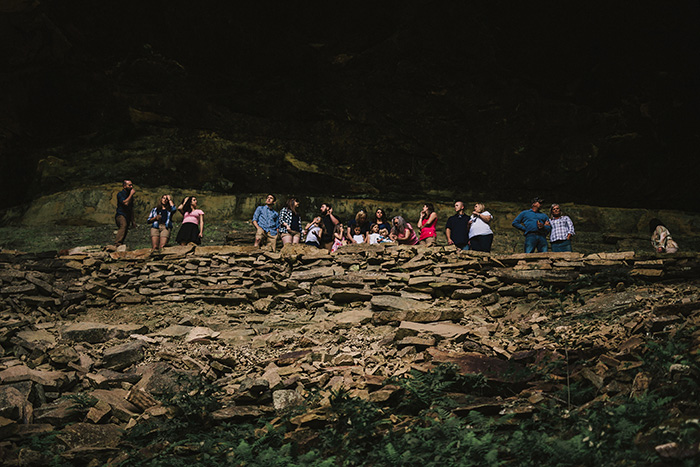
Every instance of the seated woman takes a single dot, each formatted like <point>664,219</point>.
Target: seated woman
<point>161,220</point>
<point>426,223</point>
<point>402,232</point>
<point>192,227</point>
<point>381,220</point>
<point>290,222</point>
<point>360,221</point>
<point>480,233</point>
<point>661,238</point>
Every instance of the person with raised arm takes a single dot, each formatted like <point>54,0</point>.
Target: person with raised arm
<point>192,228</point>
<point>329,222</point>
<point>427,222</point>
<point>480,233</point>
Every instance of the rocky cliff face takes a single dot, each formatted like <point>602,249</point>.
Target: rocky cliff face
<point>590,103</point>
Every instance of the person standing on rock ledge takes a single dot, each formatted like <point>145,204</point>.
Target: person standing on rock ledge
<point>480,233</point>
<point>125,211</point>
<point>266,221</point>
<point>562,229</point>
<point>192,228</point>
<point>161,220</point>
<point>535,225</point>
<point>457,228</point>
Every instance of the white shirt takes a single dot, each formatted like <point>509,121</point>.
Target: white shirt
<point>359,238</point>
<point>374,238</point>
<point>479,227</point>
<point>314,234</point>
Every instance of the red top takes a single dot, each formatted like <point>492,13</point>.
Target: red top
<point>427,231</point>
<point>411,239</point>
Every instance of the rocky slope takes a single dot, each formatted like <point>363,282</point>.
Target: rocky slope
<point>93,341</point>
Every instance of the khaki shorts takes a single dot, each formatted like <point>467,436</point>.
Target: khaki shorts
<point>162,232</point>
<point>260,234</point>
<point>428,241</point>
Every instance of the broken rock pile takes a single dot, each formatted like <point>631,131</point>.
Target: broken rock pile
<point>92,341</point>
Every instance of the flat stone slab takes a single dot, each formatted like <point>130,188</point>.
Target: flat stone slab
<point>353,317</point>
<point>394,303</point>
<point>176,330</point>
<point>123,356</point>
<point>312,274</point>
<point>41,335</point>
<point>92,333</point>
<point>546,276</point>
<point>447,330</point>
<point>51,380</point>
<point>351,295</point>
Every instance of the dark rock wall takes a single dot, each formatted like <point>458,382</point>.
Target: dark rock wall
<point>590,102</point>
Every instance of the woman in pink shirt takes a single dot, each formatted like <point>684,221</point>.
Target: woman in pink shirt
<point>402,232</point>
<point>427,223</point>
<point>192,222</point>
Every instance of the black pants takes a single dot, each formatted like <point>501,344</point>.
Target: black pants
<point>481,243</point>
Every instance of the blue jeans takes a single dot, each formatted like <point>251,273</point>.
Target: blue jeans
<point>561,245</point>
<point>534,242</point>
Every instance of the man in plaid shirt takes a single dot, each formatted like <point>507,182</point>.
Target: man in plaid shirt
<point>562,229</point>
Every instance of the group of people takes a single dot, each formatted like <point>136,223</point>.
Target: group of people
<point>323,231</point>
<point>327,231</point>
<point>160,218</point>
<point>463,231</point>
<point>536,225</point>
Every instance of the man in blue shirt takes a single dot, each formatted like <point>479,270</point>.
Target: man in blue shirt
<point>535,225</point>
<point>266,221</point>
<point>124,216</point>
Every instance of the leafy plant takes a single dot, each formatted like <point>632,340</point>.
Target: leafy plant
<point>424,390</point>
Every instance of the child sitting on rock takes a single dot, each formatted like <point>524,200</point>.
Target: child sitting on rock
<point>357,236</point>
<point>384,236</point>
<point>338,239</point>
<point>374,236</point>
<point>314,232</point>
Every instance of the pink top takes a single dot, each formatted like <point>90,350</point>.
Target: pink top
<point>192,217</point>
<point>411,239</point>
<point>428,231</point>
